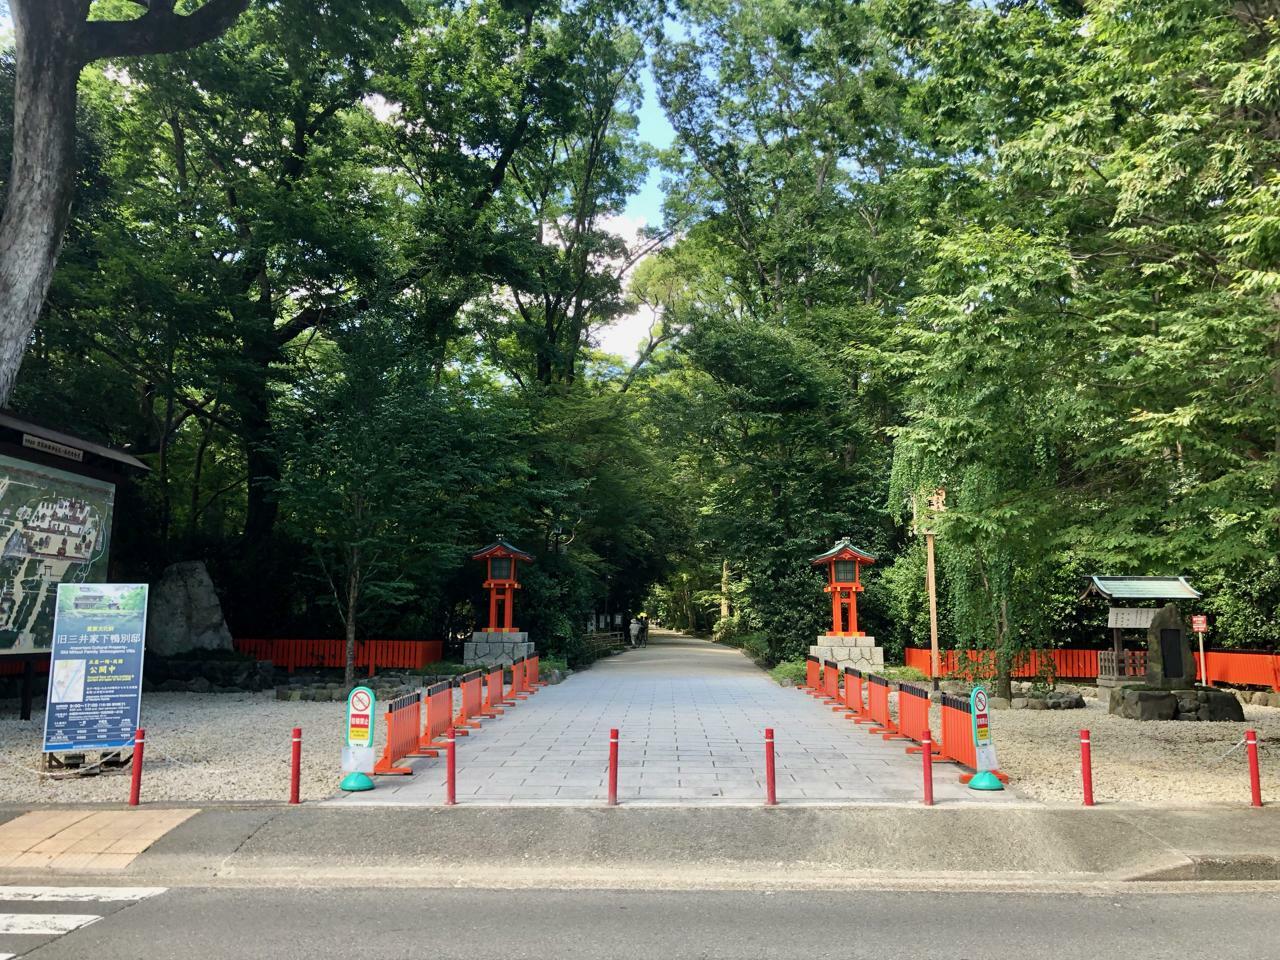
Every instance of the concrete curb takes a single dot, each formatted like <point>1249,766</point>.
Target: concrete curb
<point>708,847</point>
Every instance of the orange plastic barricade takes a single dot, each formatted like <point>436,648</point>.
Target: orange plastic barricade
<point>831,684</point>
<point>519,690</point>
<point>913,715</point>
<point>853,686</point>
<point>470,707</point>
<point>957,736</point>
<point>403,719</point>
<point>493,692</point>
<point>878,706</point>
<point>812,676</point>
<point>439,717</point>
<point>957,732</point>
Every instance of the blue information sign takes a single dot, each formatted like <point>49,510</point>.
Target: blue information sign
<point>95,670</point>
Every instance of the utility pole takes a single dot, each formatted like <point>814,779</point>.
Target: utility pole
<point>937,504</point>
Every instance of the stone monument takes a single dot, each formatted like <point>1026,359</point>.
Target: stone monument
<point>184,613</point>
<point>845,644</point>
<point>1169,662</point>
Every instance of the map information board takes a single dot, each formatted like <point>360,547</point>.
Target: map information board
<point>95,669</point>
<point>54,528</point>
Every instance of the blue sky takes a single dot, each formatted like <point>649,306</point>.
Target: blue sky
<point>654,128</point>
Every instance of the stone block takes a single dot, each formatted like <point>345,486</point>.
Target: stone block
<point>1224,707</point>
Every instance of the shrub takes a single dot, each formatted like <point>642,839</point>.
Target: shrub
<point>909,674</point>
<point>756,646</point>
<point>793,670</point>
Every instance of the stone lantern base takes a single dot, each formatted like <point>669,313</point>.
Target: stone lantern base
<point>861,653</point>
<point>494,648</point>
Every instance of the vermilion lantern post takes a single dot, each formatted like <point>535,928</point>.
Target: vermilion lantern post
<point>844,582</point>
<point>503,561</point>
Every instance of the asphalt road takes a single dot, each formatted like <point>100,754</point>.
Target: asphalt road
<point>388,924</point>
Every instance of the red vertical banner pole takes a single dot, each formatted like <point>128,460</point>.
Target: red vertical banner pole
<point>1255,779</point>
<point>135,785</point>
<point>1086,767</point>
<point>770,784</point>
<point>451,769</point>
<point>926,751</point>
<point>295,767</point>
<point>613,767</point>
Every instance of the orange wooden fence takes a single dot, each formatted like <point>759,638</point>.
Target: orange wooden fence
<point>371,655</point>
<point>1245,669</point>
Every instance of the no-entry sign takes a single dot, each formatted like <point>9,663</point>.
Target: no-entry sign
<point>1200,623</point>
<point>360,717</point>
<point>985,748</point>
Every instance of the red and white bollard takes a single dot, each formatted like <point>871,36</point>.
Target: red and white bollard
<point>451,769</point>
<point>926,751</point>
<point>770,783</point>
<point>135,785</point>
<point>1086,767</point>
<point>1255,778</point>
<point>295,767</point>
<point>613,767</point>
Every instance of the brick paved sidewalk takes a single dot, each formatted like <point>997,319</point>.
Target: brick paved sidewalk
<point>692,716</point>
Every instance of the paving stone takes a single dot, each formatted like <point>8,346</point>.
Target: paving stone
<point>692,717</point>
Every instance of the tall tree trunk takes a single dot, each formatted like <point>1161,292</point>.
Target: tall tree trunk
<point>724,589</point>
<point>262,463</point>
<point>41,176</point>
<point>353,596</point>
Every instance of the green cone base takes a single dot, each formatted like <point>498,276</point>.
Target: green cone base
<point>355,782</point>
<point>985,780</point>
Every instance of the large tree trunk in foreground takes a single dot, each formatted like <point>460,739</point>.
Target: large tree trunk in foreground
<point>53,41</point>
<point>41,178</point>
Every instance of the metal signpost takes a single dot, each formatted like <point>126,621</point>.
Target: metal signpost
<point>1200,624</point>
<point>984,747</point>
<point>357,755</point>
<point>95,671</point>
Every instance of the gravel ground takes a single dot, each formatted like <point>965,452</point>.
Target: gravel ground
<point>1170,762</point>
<point>200,747</point>
<point>235,747</point>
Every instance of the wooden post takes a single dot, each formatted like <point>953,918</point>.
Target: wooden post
<point>930,579</point>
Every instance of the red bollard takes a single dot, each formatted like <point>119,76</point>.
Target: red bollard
<point>1086,767</point>
<point>451,769</point>
<point>770,786</point>
<point>613,767</point>
<point>1255,780</point>
<point>926,751</point>
<point>295,768</point>
<point>135,786</point>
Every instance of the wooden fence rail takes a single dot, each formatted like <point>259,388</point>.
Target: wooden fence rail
<point>1225,666</point>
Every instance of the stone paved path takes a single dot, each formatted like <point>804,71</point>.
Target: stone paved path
<point>692,718</point>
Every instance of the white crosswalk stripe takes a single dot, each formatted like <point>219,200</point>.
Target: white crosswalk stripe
<point>45,924</point>
<point>79,894</point>
<point>20,930</point>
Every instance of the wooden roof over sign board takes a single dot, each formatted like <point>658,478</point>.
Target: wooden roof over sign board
<point>30,435</point>
<point>1141,588</point>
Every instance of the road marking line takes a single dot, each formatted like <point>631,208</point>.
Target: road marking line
<point>44,924</point>
<point>79,894</point>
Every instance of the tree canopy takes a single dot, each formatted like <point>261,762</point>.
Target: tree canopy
<point>340,275</point>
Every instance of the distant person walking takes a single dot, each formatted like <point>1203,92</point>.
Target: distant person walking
<point>644,629</point>
<point>635,633</point>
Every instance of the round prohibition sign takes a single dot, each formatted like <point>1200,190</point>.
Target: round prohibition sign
<point>359,700</point>
<point>980,701</point>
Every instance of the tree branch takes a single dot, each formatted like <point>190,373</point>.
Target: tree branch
<point>159,30</point>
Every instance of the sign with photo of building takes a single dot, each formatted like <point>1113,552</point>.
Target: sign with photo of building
<point>55,527</point>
